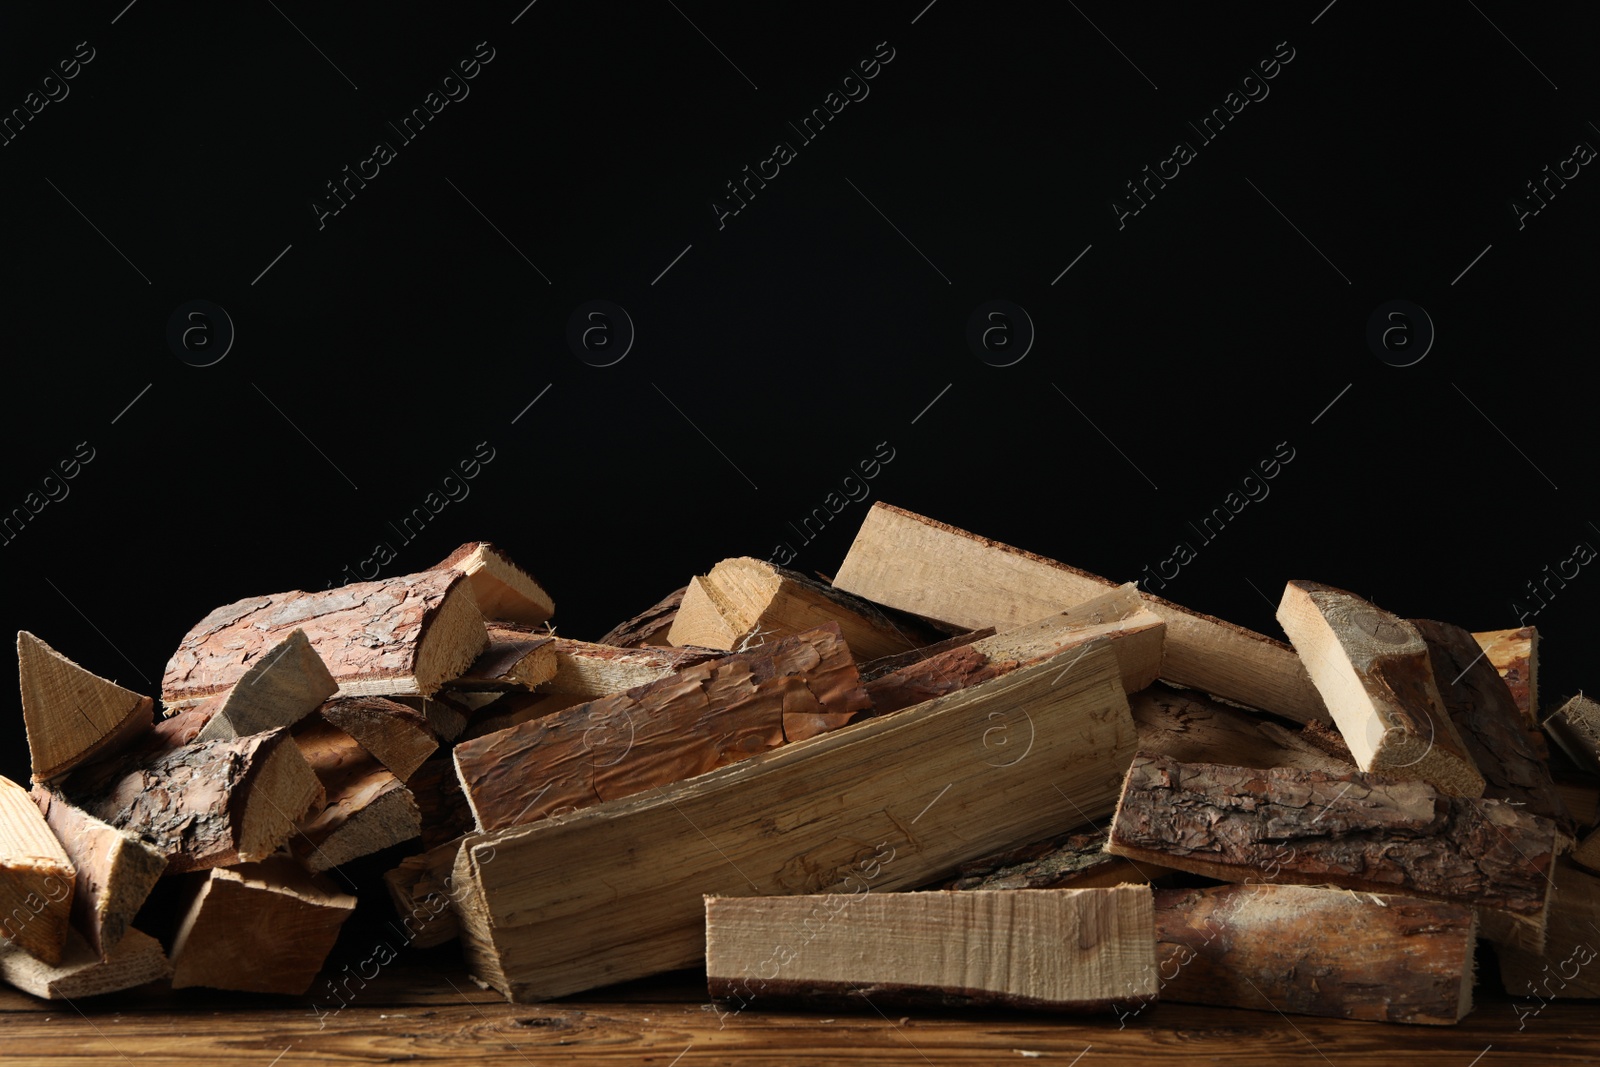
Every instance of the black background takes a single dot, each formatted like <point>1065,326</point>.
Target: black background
<point>381,348</point>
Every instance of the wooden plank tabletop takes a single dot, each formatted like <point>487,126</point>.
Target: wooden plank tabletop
<point>424,1009</point>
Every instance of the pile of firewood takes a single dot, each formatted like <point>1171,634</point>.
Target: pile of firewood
<point>748,774</point>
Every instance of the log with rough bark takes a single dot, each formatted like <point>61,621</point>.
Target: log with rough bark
<point>1567,966</point>
<point>115,869</point>
<point>1192,728</point>
<point>704,717</point>
<point>1375,675</point>
<point>1575,727</point>
<point>402,635</point>
<point>891,802</point>
<point>367,808</point>
<point>1383,958</point>
<point>742,601</point>
<point>502,589</point>
<point>1489,723</point>
<point>420,889</point>
<point>905,561</point>
<point>1354,830</point>
<point>591,670</point>
<point>209,803</point>
<point>515,659</point>
<point>1514,654</point>
<point>137,960</point>
<point>395,735</point>
<point>650,626</point>
<point>1120,614</point>
<point>1066,861</point>
<point>285,685</point>
<point>259,928</point>
<point>1054,950</point>
<point>71,715</point>
<point>36,878</point>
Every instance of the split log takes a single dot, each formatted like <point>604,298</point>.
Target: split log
<point>285,685</point>
<point>210,803</point>
<point>447,714</point>
<point>1489,723</point>
<point>1515,656</point>
<point>71,715</point>
<point>1382,958</point>
<point>586,669</point>
<point>703,717</point>
<point>1055,950</point>
<point>1066,861</point>
<point>1566,968</point>
<point>1354,830</point>
<point>36,878</point>
<point>502,589</point>
<point>446,815</point>
<point>905,561</point>
<point>1376,677</point>
<point>877,668</point>
<point>897,801</point>
<point>258,928</point>
<point>1575,727</point>
<point>1189,727</point>
<point>402,635</point>
<point>115,869</point>
<point>650,626</point>
<point>514,659</point>
<point>420,889</point>
<point>1119,614</point>
<point>137,960</point>
<point>367,809</point>
<point>392,733</point>
<point>743,601</point>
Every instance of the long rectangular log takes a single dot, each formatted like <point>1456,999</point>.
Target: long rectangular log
<point>37,881</point>
<point>916,564</point>
<point>706,716</point>
<point>137,960</point>
<point>1383,958</point>
<point>1354,830</point>
<point>1052,950</point>
<point>893,802</point>
<point>73,716</point>
<point>1514,655</point>
<point>404,635</point>
<point>116,870</point>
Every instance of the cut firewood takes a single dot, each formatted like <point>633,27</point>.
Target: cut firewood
<point>742,601</point>
<point>1066,861</point>
<point>210,803</point>
<point>447,714</point>
<point>367,808</point>
<point>420,890</point>
<point>1489,723</point>
<point>136,961</point>
<point>586,669</point>
<point>1120,614</point>
<point>1383,958</point>
<point>446,815</point>
<point>905,561</point>
<point>1375,674</point>
<point>877,668</point>
<point>285,685</point>
<point>1587,852</point>
<point>703,717</point>
<point>1514,654</point>
<point>115,869</point>
<point>1354,830</point>
<point>1566,966</point>
<point>896,801</point>
<point>503,590</point>
<point>402,635</point>
<point>395,735</point>
<point>73,716</point>
<point>259,928</point>
<point>36,878</point>
<point>514,709</point>
<point>1575,727</point>
<point>514,660</point>
<point>1190,727</point>
<point>1055,950</point>
<point>650,626</point>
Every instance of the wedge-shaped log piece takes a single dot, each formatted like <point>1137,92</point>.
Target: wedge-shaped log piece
<point>447,714</point>
<point>1374,672</point>
<point>72,716</point>
<point>703,717</point>
<point>1054,950</point>
<point>211,803</point>
<point>586,669</point>
<point>916,564</point>
<point>743,600</point>
<point>889,803</point>
<point>285,685</point>
<point>1189,727</point>
<point>402,635</point>
<point>136,961</point>
<point>1066,861</point>
<point>515,659</point>
<point>367,809</point>
<point>1567,967</point>
<point>1514,654</point>
<point>650,626</point>
<point>36,878</point>
<point>1120,614</point>
<point>503,590</point>
<point>1383,958</point>
<point>1359,831</point>
<point>115,869</point>
<point>1575,727</point>
<point>395,735</point>
<point>258,928</point>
